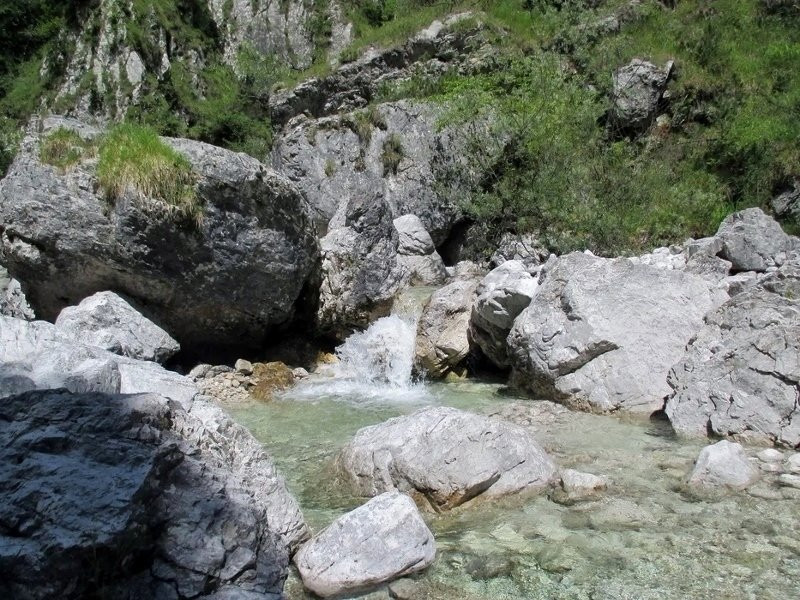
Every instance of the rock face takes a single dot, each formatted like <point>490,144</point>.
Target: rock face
<point>600,334</point>
<point>384,539</point>
<point>637,90</point>
<point>442,332</point>
<point>740,373</point>
<point>229,281</point>
<point>136,487</point>
<point>753,241</point>
<point>501,296</point>
<point>360,274</point>
<point>446,456</point>
<point>107,321</point>
<point>12,300</point>
<point>723,464</point>
<point>336,159</point>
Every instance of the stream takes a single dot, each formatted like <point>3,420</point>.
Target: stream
<point>646,537</point>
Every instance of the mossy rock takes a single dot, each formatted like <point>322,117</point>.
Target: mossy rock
<point>269,378</point>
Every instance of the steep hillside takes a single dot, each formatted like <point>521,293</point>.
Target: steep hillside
<point>555,152</point>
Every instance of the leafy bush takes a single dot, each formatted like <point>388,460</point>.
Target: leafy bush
<point>133,159</point>
<point>64,148</point>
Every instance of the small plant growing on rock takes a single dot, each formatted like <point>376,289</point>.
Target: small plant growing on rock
<point>330,168</point>
<point>133,159</point>
<point>393,154</point>
<point>64,148</point>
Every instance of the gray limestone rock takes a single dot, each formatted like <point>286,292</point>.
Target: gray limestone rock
<point>740,374</point>
<point>600,334</point>
<point>637,91</point>
<point>446,456</point>
<point>413,238</point>
<point>523,248</point>
<point>110,322</point>
<point>442,331</point>
<point>230,280</point>
<point>500,297</point>
<point>723,464</point>
<point>754,241</point>
<point>379,541</point>
<point>12,299</point>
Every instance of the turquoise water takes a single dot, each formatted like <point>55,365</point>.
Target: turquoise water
<point>645,537</point>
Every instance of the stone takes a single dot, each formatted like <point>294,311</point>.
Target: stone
<point>360,274</point>
<point>787,204</point>
<point>500,297</point>
<point>299,373</point>
<point>446,457</point>
<point>199,371</point>
<point>789,480</point>
<point>108,321</point>
<point>579,486</point>
<point>770,455</point>
<point>404,589</point>
<point>12,299</point>
<point>227,280</point>
<point>442,331</point>
<point>245,367</point>
<point>723,464</point>
<point>381,540</point>
<point>423,270</point>
<point>186,492</point>
<point>272,377</point>
<point>637,90</point>
<point>601,334</point>
<point>739,375</point>
<point>792,463</point>
<point>524,248</point>
<point>413,238</point>
<point>753,241</point>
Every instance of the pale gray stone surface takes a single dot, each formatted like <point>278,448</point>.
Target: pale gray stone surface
<point>754,241</point>
<point>110,322</point>
<point>500,297</point>
<point>601,334</point>
<point>229,280</point>
<point>637,91</point>
<point>740,374</point>
<point>442,331</point>
<point>12,299</point>
<point>723,464</point>
<point>578,485</point>
<point>381,540</point>
<point>446,456</point>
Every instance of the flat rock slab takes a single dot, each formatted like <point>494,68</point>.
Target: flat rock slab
<point>384,539</point>
<point>447,456</point>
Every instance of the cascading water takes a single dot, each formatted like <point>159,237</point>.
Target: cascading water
<point>375,364</point>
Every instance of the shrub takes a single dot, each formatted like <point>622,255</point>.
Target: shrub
<point>393,154</point>
<point>64,148</point>
<point>133,159</point>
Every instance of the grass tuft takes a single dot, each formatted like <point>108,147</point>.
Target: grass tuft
<point>393,154</point>
<point>63,148</point>
<point>133,159</point>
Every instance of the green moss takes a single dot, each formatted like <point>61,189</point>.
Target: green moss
<point>64,148</point>
<point>133,159</point>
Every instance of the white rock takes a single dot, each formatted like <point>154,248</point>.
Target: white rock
<point>789,480</point>
<point>381,540</point>
<point>245,367</point>
<point>723,464</point>
<point>578,485</point>
<point>770,455</point>
<point>792,463</point>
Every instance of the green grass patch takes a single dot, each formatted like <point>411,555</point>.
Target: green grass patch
<point>64,148</point>
<point>133,159</point>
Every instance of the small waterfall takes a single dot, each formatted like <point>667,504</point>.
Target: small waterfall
<point>375,364</point>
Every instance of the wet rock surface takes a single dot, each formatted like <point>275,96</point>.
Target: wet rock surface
<point>381,540</point>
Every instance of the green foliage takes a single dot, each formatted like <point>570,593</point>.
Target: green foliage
<point>330,168</point>
<point>64,148</point>
<point>393,154</point>
<point>134,159</point>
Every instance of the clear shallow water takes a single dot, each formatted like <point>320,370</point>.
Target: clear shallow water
<point>645,538</point>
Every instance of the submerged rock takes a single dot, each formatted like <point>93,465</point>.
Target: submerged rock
<point>381,540</point>
<point>723,464</point>
<point>579,486</point>
<point>600,334</point>
<point>501,296</point>
<point>228,280</point>
<point>159,500</point>
<point>739,375</point>
<point>442,332</point>
<point>108,321</point>
<point>446,456</point>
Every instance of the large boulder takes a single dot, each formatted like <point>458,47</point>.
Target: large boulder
<point>416,253</point>
<point>501,296</point>
<point>601,334</point>
<point>228,280</point>
<point>637,91</point>
<point>446,456</point>
<point>360,274</point>
<point>741,373</point>
<point>384,539</point>
<point>754,241</point>
<point>110,322</point>
<point>442,331</point>
<point>143,498</point>
<point>724,464</point>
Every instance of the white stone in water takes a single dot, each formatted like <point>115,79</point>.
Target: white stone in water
<point>790,480</point>
<point>770,455</point>
<point>379,541</point>
<point>580,485</point>
<point>723,464</point>
<point>384,353</point>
